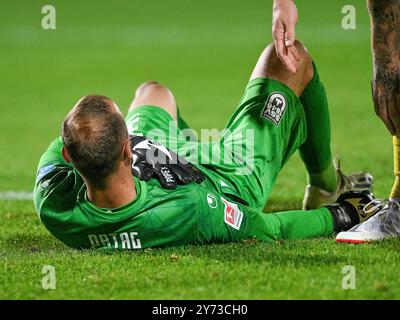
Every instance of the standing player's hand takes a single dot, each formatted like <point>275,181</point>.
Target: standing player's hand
<point>153,160</point>
<point>283,31</point>
<point>386,96</point>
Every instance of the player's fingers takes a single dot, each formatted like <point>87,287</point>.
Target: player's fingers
<point>384,114</point>
<point>279,44</point>
<point>290,33</point>
<point>165,177</point>
<point>198,176</point>
<point>294,57</point>
<point>294,53</point>
<point>282,54</point>
<point>280,47</point>
<point>183,175</point>
<point>290,65</point>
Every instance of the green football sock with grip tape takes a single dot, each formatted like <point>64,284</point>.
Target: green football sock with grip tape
<point>316,151</point>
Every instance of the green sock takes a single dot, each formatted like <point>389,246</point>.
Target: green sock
<point>326,180</point>
<point>316,151</point>
<point>294,225</point>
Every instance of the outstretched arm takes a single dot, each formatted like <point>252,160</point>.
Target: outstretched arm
<point>283,31</point>
<point>385,29</point>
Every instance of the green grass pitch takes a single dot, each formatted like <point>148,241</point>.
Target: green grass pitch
<point>204,51</point>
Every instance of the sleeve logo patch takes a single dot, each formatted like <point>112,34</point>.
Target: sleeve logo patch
<point>44,171</point>
<point>274,108</point>
<point>233,215</point>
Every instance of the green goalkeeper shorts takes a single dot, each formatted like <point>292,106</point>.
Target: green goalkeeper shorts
<point>267,127</point>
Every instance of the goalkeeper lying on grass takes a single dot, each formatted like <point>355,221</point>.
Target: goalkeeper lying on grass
<point>102,184</point>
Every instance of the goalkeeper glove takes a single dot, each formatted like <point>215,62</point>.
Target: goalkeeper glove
<point>152,160</point>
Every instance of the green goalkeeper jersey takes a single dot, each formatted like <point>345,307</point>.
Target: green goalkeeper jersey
<point>193,213</point>
<point>226,207</point>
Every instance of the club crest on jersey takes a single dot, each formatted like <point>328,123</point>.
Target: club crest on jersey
<point>274,108</point>
<point>212,201</point>
<point>233,215</point>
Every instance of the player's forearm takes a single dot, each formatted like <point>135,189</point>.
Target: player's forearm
<point>385,28</point>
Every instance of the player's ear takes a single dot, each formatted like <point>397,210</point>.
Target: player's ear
<point>65,155</point>
<point>126,150</point>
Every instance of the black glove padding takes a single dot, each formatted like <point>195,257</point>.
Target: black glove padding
<point>153,160</point>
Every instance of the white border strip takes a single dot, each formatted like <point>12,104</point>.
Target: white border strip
<point>16,195</point>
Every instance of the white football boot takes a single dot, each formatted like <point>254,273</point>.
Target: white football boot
<point>315,198</point>
<point>384,224</point>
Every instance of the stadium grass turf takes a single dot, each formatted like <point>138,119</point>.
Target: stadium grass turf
<point>204,51</point>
